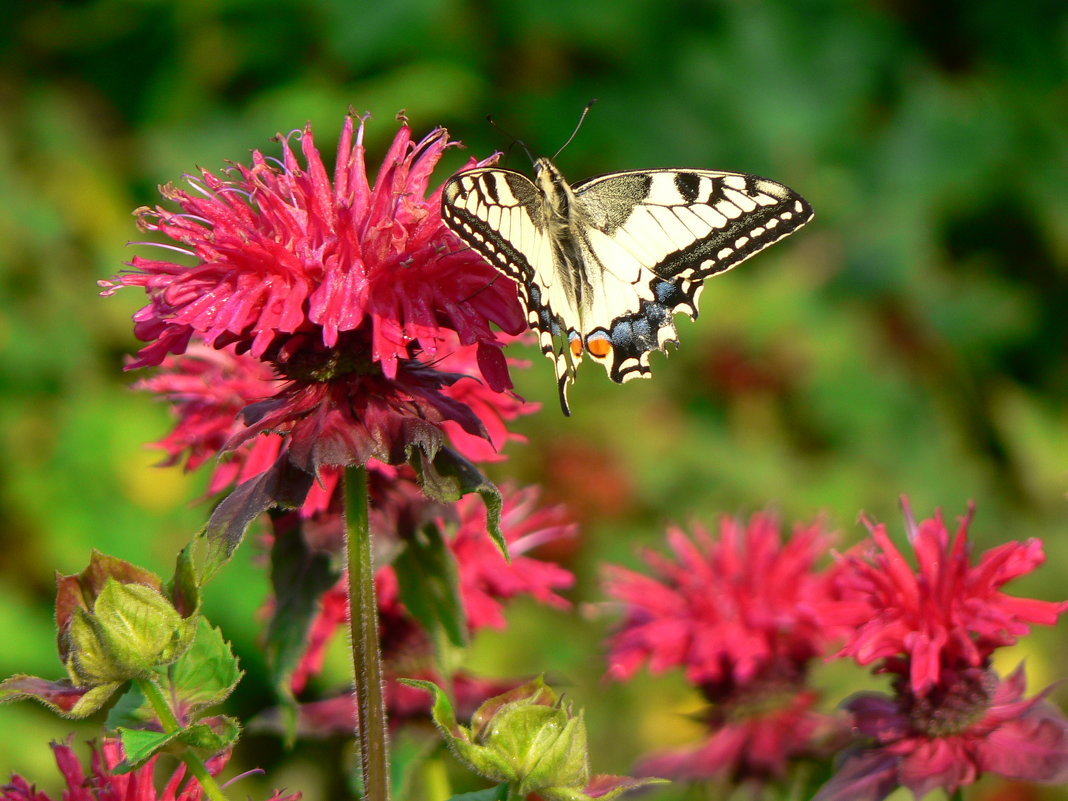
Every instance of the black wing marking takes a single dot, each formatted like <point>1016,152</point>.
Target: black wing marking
<point>498,213</point>
<point>659,234</point>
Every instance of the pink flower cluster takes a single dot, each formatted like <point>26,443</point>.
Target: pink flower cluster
<point>348,299</point>
<point>934,628</point>
<point>103,784</point>
<point>331,322</point>
<point>744,615</point>
<point>486,582</point>
<point>739,613</point>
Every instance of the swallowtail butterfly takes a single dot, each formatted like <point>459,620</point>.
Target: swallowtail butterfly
<point>603,266</point>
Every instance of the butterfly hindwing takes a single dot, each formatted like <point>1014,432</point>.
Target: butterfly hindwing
<point>603,267</point>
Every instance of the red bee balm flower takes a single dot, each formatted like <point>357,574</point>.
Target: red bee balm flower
<point>348,291</point>
<point>727,610</point>
<point>978,724</point>
<point>945,614</point>
<point>103,785</point>
<point>739,614</point>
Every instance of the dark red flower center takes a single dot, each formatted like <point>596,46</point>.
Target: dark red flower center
<point>351,355</point>
<point>951,707</point>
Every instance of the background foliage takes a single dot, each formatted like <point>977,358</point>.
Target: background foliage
<point>910,340</point>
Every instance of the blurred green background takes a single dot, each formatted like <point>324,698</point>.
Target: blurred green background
<point>911,340</point>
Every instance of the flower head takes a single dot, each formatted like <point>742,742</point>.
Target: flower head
<point>739,613</point>
<point>102,784</point>
<point>728,610</point>
<point>348,292</point>
<point>972,723</point>
<point>946,614</point>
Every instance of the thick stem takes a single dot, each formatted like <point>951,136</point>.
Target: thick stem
<point>194,763</point>
<point>363,626</point>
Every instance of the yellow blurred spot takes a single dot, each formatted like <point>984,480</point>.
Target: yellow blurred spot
<point>669,722</point>
<point>150,486</point>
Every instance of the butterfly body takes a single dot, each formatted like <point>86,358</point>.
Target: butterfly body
<point>604,265</point>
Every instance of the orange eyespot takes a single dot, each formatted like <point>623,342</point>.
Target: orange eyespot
<point>598,346</point>
<point>576,345</point>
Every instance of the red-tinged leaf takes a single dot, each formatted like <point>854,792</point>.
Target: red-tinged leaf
<point>862,776</point>
<point>447,476</point>
<point>60,696</point>
<point>605,786</point>
<point>80,590</point>
<point>282,486</point>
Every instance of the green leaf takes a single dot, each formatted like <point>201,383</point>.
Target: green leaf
<point>441,711</point>
<point>205,674</point>
<point>448,476</point>
<point>132,710</point>
<point>429,585</point>
<point>497,793</point>
<point>283,486</point>
<point>140,745</point>
<point>211,734</point>
<point>299,577</point>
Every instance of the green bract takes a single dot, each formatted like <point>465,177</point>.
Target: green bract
<point>529,738</point>
<point>115,623</point>
<point>130,630</point>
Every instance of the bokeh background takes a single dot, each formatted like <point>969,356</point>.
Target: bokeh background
<point>911,340</point>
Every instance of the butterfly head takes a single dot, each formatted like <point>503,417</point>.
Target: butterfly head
<point>553,186</point>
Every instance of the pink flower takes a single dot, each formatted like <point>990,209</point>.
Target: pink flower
<point>209,388</point>
<point>486,579</point>
<point>947,614</point>
<point>747,741</point>
<point>739,613</point>
<point>103,785</point>
<point>971,724</point>
<point>349,294</point>
<point>728,610</point>
<point>486,582</point>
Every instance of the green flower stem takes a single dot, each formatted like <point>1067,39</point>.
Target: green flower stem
<point>363,626</point>
<point>196,765</point>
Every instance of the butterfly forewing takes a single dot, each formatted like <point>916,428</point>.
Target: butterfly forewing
<point>498,213</point>
<point>604,267</point>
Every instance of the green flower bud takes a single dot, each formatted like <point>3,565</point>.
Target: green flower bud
<point>130,630</point>
<point>526,736</point>
<point>529,738</point>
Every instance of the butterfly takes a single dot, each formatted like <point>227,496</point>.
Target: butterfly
<point>604,265</point>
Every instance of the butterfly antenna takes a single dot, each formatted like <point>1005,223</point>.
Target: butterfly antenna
<point>515,141</point>
<point>578,125</point>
